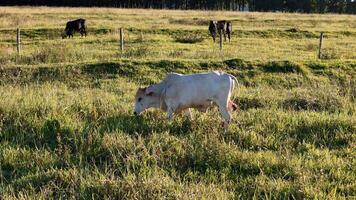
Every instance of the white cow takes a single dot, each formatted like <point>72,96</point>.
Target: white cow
<point>177,93</point>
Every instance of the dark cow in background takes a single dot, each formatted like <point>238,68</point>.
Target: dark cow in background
<point>220,27</point>
<point>213,29</point>
<point>77,25</point>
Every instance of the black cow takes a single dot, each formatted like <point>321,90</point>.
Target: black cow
<point>220,27</point>
<point>213,29</point>
<point>77,25</point>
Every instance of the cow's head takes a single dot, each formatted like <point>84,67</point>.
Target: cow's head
<point>64,34</point>
<point>145,98</point>
<point>213,29</point>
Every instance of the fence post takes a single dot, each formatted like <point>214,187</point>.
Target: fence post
<point>220,40</point>
<point>121,40</point>
<point>18,40</point>
<point>141,35</point>
<point>321,45</point>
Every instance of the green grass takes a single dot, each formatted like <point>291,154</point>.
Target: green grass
<point>67,129</point>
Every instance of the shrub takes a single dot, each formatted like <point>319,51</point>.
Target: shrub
<point>329,54</point>
<point>317,66</point>
<point>293,30</point>
<point>194,21</point>
<point>321,102</point>
<point>49,54</point>
<point>137,52</point>
<point>249,103</point>
<point>298,103</point>
<point>284,67</point>
<point>300,33</point>
<point>188,38</point>
<point>238,63</point>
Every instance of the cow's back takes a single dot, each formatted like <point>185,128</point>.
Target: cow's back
<point>76,24</point>
<point>197,88</point>
<point>221,25</point>
<point>68,24</point>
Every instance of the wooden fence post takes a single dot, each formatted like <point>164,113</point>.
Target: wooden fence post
<point>321,45</point>
<point>141,36</point>
<point>220,40</point>
<point>18,40</point>
<point>121,40</point>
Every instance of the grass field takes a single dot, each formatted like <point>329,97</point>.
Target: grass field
<point>66,124</point>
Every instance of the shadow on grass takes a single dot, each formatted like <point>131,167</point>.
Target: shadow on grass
<point>245,103</point>
<point>324,134</point>
<point>331,105</point>
<point>143,125</point>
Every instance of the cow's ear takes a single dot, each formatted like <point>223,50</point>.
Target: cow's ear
<point>150,90</point>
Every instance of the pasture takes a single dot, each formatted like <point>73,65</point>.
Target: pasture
<point>67,128</point>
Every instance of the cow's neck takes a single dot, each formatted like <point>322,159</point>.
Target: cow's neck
<point>159,102</point>
<point>157,88</point>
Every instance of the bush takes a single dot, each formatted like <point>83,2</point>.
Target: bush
<point>249,103</point>
<point>238,63</point>
<point>298,103</point>
<point>49,55</point>
<point>188,38</point>
<point>329,54</point>
<point>137,52</point>
<point>321,102</point>
<point>284,67</point>
<point>194,21</point>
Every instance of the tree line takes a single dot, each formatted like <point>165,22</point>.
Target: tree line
<point>307,6</point>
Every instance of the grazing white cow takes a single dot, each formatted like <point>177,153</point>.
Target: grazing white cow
<point>177,93</point>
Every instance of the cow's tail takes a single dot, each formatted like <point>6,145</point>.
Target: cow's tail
<point>234,83</point>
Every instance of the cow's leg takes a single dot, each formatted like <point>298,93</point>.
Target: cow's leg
<point>225,36</point>
<point>171,109</point>
<point>223,104</point>
<point>224,111</point>
<point>83,32</point>
<point>69,33</point>
<point>170,113</point>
